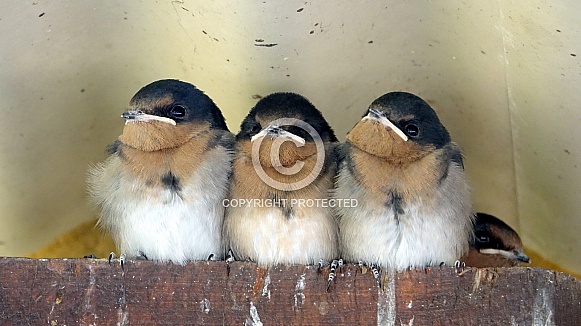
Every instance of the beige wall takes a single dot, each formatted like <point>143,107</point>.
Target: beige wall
<point>501,75</point>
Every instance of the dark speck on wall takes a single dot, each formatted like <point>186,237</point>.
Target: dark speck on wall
<point>370,42</point>
<point>300,9</point>
<point>266,45</point>
<point>567,151</point>
<point>259,40</point>
<point>256,97</point>
<point>312,32</point>
<point>42,14</point>
<point>559,31</point>
<point>573,55</point>
<point>203,31</point>
<point>82,90</point>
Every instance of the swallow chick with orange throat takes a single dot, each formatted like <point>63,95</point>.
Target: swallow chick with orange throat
<point>282,177</point>
<point>414,207</point>
<point>160,192</point>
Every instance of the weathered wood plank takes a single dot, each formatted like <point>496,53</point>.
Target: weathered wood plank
<point>94,292</point>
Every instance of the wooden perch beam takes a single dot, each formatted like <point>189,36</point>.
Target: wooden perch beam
<point>94,292</point>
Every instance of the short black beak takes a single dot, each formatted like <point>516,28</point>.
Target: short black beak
<point>276,131</point>
<point>521,256</point>
<point>136,115</point>
<point>131,114</point>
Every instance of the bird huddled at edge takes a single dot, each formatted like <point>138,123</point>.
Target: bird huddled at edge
<point>280,224</point>
<point>414,206</point>
<point>160,192</point>
<point>495,244</point>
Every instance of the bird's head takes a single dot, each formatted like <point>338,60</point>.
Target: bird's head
<point>168,113</point>
<point>287,128</point>
<point>399,127</point>
<point>495,238</point>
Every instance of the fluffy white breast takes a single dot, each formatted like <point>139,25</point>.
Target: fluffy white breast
<point>267,236</point>
<point>428,233</point>
<point>157,222</point>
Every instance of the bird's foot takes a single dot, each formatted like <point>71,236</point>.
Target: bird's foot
<point>460,267</point>
<point>332,271</point>
<point>113,257</point>
<point>229,259</point>
<point>336,263</point>
<point>322,263</point>
<point>230,256</point>
<point>364,265</point>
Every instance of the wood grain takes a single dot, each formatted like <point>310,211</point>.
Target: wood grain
<point>94,292</point>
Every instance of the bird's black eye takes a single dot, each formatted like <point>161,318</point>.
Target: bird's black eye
<point>412,130</point>
<point>255,128</point>
<point>482,238</point>
<point>177,111</point>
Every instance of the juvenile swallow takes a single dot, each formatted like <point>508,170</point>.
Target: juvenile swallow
<point>495,244</point>
<point>160,192</point>
<point>279,210</point>
<point>414,207</point>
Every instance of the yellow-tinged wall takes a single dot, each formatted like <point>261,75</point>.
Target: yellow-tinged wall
<point>503,75</point>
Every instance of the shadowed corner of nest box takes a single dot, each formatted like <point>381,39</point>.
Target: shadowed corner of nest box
<point>82,240</point>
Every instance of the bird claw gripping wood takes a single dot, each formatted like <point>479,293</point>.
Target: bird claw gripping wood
<point>460,267</point>
<point>142,256</point>
<point>229,259</point>
<point>374,270</point>
<point>122,261</point>
<point>332,269</point>
<point>122,258</point>
<point>230,256</point>
<point>322,263</point>
<point>372,266</point>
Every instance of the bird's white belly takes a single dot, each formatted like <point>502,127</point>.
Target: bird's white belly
<point>429,232</point>
<point>268,237</point>
<point>173,231</point>
<point>158,222</point>
<point>418,239</point>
